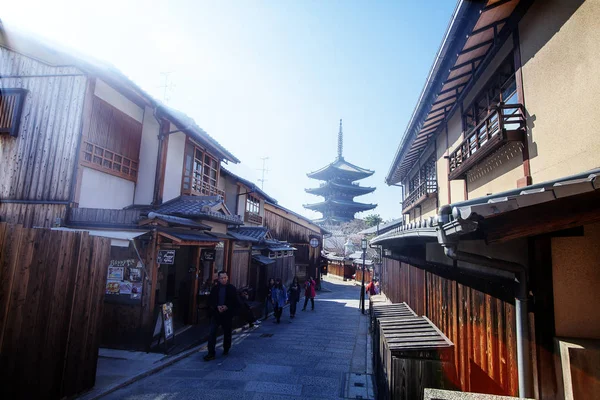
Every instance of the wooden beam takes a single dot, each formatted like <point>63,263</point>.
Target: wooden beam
<point>568,212</point>
<point>458,77</point>
<point>477,46</point>
<point>470,62</point>
<point>485,28</point>
<point>495,5</point>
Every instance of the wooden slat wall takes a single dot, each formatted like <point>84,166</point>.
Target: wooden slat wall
<point>297,235</point>
<point>106,216</point>
<point>52,287</point>
<point>39,163</point>
<point>114,130</point>
<point>481,327</point>
<point>239,268</point>
<point>30,215</point>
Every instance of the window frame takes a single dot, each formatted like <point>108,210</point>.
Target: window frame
<point>17,110</point>
<point>194,180</point>
<point>252,204</point>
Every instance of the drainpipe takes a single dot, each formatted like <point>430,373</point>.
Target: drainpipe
<point>521,299</point>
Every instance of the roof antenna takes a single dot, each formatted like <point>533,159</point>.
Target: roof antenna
<point>340,141</point>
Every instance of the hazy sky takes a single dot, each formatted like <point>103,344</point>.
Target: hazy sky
<point>269,78</point>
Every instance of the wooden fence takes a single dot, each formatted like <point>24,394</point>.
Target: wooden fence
<point>482,327</point>
<point>52,286</point>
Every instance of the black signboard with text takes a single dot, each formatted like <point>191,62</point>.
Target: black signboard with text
<point>166,257</point>
<point>208,254</point>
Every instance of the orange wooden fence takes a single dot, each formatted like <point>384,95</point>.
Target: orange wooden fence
<point>52,286</point>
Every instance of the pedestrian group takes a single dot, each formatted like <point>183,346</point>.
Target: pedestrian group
<point>224,303</point>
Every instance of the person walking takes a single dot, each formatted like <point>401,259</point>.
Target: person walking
<point>222,304</point>
<point>309,293</point>
<point>370,289</point>
<point>294,296</point>
<point>279,297</point>
<point>268,300</point>
<point>247,313</point>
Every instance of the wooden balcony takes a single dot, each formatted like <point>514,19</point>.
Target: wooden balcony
<point>253,218</point>
<point>201,188</point>
<point>504,123</point>
<point>421,193</point>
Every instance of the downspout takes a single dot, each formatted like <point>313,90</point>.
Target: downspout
<point>521,298</point>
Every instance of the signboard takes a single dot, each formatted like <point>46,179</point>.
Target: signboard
<point>167,317</point>
<point>314,242</point>
<point>124,282</point>
<point>163,328</point>
<point>166,257</point>
<point>208,254</point>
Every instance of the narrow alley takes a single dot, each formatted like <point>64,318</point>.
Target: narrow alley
<point>316,355</point>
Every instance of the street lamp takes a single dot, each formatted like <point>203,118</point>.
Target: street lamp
<point>363,245</point>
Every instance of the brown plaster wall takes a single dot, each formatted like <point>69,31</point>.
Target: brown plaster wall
<point>498,172</point>
<point>560,48</point>
<point>576,279</point>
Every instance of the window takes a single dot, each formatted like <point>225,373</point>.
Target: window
<point>252,204</point>
<point>200,172</point>
<point>108,161</point>
<point>502,87</point>
<point>11,105</point>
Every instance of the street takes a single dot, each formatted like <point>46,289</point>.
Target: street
<point>311,356</point>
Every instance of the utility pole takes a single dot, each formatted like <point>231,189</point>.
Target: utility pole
<point>263,169</point>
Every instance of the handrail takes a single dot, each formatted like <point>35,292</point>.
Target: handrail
<point>497,122</point>
<point>425,188</point>
<point>205,189</point>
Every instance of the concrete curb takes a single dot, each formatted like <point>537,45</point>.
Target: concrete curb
<point>162,364</point>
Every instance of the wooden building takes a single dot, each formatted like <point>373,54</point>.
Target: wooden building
<point>499,165</point>
<point>83,148</point>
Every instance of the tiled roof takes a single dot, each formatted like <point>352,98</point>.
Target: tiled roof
<point>249,234</point>
<point>382,227</point>
<point>178,221</point>
<point>250,184</point>
<point>198,207</point>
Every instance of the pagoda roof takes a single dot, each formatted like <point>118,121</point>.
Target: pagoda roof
<point>332,220</point>
<point>340,168</point>
<point>348,188</point>
<point>340,204</point>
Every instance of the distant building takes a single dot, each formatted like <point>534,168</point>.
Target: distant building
<point>339,189</point>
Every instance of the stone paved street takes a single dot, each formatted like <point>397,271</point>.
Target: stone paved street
<point>308,357</point>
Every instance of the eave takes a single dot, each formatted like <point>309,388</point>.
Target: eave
<point>475,33</point>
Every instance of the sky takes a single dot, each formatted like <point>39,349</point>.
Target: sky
<point>269,78</point>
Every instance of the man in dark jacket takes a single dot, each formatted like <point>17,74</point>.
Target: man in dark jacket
<point>222,303</point>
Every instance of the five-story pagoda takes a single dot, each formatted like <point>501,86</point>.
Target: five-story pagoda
<point>339,189</point>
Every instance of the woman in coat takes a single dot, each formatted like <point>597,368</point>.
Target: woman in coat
<point>309,293</point>
<point>279,297</point>
<point>294,296</point>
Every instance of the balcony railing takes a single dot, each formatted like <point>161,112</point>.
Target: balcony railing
<point>201,188</point>
<point>504,123</point>
<point>420,194</point>
<point>253,218</point>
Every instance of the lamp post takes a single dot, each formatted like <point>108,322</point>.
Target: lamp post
<point>363,245</point>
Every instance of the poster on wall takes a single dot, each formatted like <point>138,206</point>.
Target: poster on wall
<point>124,283</point>
<point>136,290</point>
<point>115,273</point>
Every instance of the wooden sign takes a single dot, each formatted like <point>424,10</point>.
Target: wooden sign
<point>208,254</point>
<point>163,328</point>
<point>166,257</point>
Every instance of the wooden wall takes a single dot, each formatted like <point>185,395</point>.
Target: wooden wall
<point>52,286</point>
<point>286,230</point>
<point>39,163</point>
<point>114,130</point>
<point>481,327</point>
<point>30,215</point>
<point>240,264</point>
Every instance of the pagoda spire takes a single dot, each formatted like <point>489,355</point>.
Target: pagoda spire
<point>340,141</point>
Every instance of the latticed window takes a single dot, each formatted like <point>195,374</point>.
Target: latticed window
<point>252,204</point>
<point>200,172</point>
<point>11,105</point>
